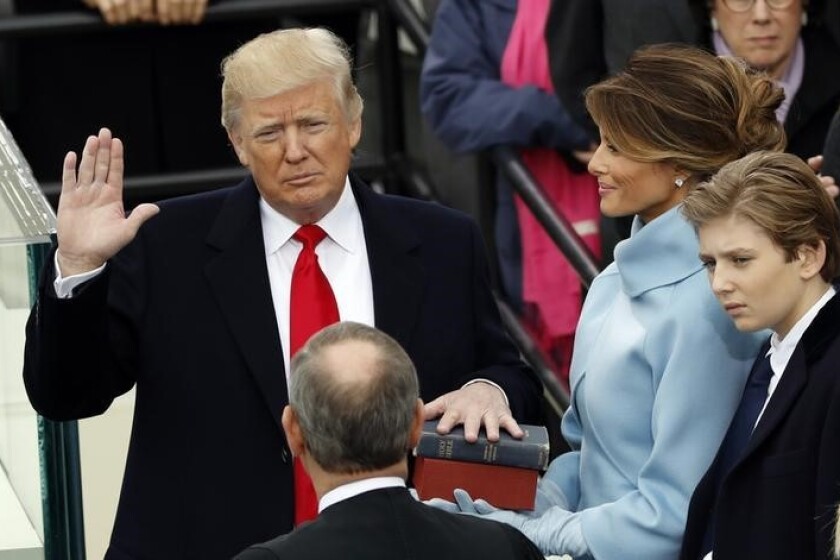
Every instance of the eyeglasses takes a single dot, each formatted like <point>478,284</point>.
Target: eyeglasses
<point>746,5</point>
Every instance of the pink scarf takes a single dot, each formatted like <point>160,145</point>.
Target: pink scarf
<point>549,281</point>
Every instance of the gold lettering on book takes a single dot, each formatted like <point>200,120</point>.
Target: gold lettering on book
<point>445,448</point>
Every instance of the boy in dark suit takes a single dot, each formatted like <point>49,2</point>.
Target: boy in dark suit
<point>354,411</point>
<point>769,238</point>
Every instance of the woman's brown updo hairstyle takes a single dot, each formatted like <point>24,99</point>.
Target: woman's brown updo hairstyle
<point>683,106</point>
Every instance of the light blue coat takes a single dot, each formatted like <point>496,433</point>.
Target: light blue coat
<point>657,373</point>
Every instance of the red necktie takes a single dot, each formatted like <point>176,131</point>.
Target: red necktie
<point>312,308</point>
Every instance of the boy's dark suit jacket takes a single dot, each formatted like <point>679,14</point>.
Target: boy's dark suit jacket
<point>388,524</point>
<point>779,500</point>
<point>185,311</point>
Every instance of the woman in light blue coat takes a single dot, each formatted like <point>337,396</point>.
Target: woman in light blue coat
<point>658,368</point>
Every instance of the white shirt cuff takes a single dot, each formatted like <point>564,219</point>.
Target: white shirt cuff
<point>496,385</point>
<point>64,286</point>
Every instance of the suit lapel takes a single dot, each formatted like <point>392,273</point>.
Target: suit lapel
<point>816,338</point>
<point>788,390</point>
<point>396,271</point>
<point>239,280</point>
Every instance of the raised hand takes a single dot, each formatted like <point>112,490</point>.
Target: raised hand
<point>92,225</point>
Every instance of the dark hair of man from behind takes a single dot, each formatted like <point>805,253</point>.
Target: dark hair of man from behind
<point>353,427</point>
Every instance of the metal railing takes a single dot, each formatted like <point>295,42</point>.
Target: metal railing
<point>556,225</point>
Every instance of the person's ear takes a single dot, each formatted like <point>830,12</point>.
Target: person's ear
<point>236,141</point>
<point>811,259</point>
<point>416,425</point>
<point>355,130</point>
<point>294,435</point>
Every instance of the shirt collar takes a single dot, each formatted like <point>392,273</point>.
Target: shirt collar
<point>782,349</point>
<point>342,224</point>
<point>351,489</point>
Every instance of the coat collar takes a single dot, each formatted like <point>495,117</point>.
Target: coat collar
<point>659,253</point>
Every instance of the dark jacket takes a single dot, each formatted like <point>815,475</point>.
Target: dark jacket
<point>780,498</point>
<point>389,524</point>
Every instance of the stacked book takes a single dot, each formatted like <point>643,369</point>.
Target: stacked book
<point>503,472</point>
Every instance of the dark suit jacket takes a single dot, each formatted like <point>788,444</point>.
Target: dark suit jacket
<point>831,151</point>
<point>590,39</point>
<point>779,500</point>
<point>185,312</point>
<point>389,524</point>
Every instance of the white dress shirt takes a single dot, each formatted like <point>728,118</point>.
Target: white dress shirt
<point>781,349</point>
<point>342,256</point>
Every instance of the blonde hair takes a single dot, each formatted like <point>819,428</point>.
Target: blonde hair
<point>780,194</point>
<point>280,61</point>
<point>680,105</point>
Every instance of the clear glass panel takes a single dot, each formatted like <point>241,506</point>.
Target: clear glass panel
<point>26,221</point>
<point>21,517</point>
<point>25,215</point>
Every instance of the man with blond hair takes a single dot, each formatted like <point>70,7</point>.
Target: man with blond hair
<point>203,306</point>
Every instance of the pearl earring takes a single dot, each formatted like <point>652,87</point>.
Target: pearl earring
<point>804,18</point>
<point>679,182</point>
<point>714,24</point>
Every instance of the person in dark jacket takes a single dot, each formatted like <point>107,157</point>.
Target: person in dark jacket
<point>354,411</point>
<point>770,241</point>
<point>196,307</point>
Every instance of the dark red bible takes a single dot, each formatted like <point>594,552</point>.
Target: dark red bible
<point>503,487</point>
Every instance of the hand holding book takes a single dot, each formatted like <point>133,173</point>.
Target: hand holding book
<point>554,531</point>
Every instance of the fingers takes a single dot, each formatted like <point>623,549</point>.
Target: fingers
<point>472,424</point>
<point>103,157</point>
<point>476,405</point>
<point>88,161</point>
<point>464,501</point>
<point>180,11</point>
<point>440,503</point>
<point>830,185</point>
<point>140,215</point>
<point>116,164</point>
<point>146,10</point>
<point>199,7</point>
<point>114,12</point>
<point>509,423</point>
<point>68,172</point>
<point>163,11</point>
<point>483,507</point>
<point>815,162</point>
<point>434,409</point>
